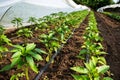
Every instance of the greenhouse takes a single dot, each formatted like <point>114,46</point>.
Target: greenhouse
<point>59,40</point>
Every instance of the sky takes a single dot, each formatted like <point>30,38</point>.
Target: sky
<point>115,1</point>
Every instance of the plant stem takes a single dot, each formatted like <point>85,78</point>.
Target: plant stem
<point>26,73</point>
<point>0,56</point>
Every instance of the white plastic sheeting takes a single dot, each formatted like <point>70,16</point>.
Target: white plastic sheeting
<point>108,6</point>
<point>35,8</point>
<point>5,4</point>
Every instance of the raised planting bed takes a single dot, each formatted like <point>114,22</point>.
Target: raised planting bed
<point>28,49</point>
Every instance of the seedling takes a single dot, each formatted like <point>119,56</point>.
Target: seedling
<point>33,20</point>
<point>91,71</point>
<point>62,31</point>
<point>25,32</point>
<point>23,57</point>
<point>51,43</point>
<point>17,22</point>
<point>3,40</point>
<point>17,76</point>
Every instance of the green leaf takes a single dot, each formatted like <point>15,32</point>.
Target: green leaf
<point>35,55</point>
<point>83,51</point>
<point>80,69</point>
<point>15,50</point>
<point>90,66</point>
<point>101,60</point>
<point>103,69</point>
<point>2,49</point>
<point>19,47</point>
<point>96,78</point>
<point>81,57</point>
<point>102,52</point>
<point>107,78</point>
<point>7,67</point>
<point>20,64</point>
<point>30,47</point>
<point>31,63</point>
<point>51,34</point>
<point>48,58</point>
<point>14,77</point>
<point>94,60</point>
<point>80,77</point>
<point>40,51</point>
<point>17,54</point>
<point>54,44</point>
<point>15,61</point>
<point>5,39</point>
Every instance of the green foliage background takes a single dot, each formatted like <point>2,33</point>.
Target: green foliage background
<point>94,4</point>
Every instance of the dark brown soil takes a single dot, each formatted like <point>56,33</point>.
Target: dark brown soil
<point>110,31</point>
<point>113,10</point>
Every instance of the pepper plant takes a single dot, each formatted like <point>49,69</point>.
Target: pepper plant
<point>25,32</point>
<point>33,20</point>
<point>3,40</point>
<point>51,43</point>
<point>62,31</point>
<point>92,51</point>
<point>17,76</point>
<point>24,56</point>
<point>17,22</point>
<point>91,71</point>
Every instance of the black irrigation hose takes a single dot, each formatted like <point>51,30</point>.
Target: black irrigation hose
<point>46,66</point>
<point>37,77</point>
<point>87,58</point>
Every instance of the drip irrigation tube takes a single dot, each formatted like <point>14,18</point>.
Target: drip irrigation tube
<point>37,77</point>
<point>47,65</point>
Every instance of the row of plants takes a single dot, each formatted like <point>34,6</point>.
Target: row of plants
<point>95,66</point>
<point>113,15</point>
<point>57,36</point>
<point>53,30</point>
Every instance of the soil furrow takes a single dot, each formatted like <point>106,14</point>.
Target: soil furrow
<point>111,34</point>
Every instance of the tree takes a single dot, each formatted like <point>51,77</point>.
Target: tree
<point>94,4</point>
<point>119,1</point>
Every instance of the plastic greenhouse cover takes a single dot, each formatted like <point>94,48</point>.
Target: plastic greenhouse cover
<point>108,6</point>
<point>10,9</point>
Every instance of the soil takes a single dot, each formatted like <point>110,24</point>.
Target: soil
<point>60,69</point>
<point>113,10</point>
<point>110,31</point>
